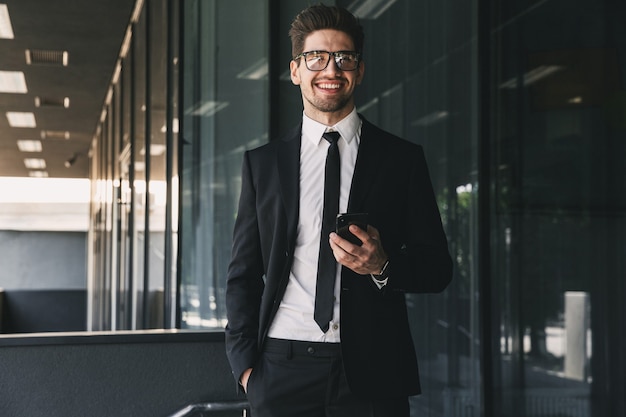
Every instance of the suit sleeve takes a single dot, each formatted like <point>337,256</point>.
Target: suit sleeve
<point>420,262</point>
<point>244,283</point>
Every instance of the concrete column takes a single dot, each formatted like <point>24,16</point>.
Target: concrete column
<point>576,329</point>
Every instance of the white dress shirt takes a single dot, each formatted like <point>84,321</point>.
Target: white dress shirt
<point>294,318</point>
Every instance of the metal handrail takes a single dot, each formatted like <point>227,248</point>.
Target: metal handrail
<point>212,406</point>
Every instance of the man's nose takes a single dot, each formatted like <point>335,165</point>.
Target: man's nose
<point>332,65</point>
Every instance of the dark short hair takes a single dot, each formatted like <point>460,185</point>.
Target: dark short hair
<point>319,17</point>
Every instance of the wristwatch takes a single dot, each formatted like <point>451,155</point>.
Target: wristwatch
<point>383,274</point>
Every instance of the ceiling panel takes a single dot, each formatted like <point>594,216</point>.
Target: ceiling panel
<point>92,33</point>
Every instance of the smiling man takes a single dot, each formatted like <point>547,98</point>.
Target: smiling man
<point>327,90</point>
<point>317,324</point>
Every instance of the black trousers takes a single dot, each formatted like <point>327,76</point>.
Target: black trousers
<point>306,379</point>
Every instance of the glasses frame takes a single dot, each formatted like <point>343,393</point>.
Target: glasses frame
<point>336,56</point>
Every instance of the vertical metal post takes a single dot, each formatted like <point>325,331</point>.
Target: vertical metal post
<point>484,206</point>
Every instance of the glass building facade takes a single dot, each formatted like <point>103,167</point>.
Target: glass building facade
<point>521,110</point>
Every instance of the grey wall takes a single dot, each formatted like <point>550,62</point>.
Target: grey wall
<point>146,374</point>
<point>43,260</point>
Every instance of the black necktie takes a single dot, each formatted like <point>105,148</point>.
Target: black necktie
<point>327,266</point>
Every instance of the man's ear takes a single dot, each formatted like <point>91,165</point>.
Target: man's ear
<point>361,72</point>
<point>295,73</point>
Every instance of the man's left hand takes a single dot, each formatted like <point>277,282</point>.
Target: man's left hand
<point>369,258</point>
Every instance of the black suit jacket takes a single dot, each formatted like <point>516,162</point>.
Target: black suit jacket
<point>392,184</point>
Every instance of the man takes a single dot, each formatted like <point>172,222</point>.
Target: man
<point>357,358</point>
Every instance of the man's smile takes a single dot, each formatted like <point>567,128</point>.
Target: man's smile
<point>329,86</point>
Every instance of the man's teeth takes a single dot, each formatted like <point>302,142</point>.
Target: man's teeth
<point>329,85</point>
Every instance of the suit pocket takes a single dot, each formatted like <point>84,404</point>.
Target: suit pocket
<point>253,380</point>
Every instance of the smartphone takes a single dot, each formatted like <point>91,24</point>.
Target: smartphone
<point>344,220</point>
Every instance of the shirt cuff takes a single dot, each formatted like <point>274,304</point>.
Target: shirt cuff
<point>379,283</point>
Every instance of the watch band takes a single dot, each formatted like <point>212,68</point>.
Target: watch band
<point>383,274</point>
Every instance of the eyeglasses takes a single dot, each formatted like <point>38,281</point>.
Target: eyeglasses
<point>318,60</point>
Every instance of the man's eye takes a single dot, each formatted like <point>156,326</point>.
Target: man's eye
<point>313,58</point>
<point>346,58</point>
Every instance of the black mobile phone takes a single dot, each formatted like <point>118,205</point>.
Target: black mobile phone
<point>344,220</point>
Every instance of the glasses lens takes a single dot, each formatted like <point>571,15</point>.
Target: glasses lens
<point>346,61</point>
<point>316,61</point>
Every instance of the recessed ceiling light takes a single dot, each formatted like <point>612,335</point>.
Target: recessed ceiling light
<point>52,102</point>
<point>432,118</point>
<point>533,76</point>
<point>35,163</point>
<point>38,174</point>
<point>155,150</point>
<point>207,108</point>
<point>370,9</point>
<point>21,119</point>
<point>47,57</point>
<point>29,145</point>
<point>257,71</point>
<point>6,30</point>
<point>174,126</point>
<point>55,134</point>
<point>12,82</point>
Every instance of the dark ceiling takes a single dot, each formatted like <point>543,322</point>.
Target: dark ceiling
<point>91,32</point>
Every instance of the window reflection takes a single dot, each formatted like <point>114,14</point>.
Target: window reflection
<point>225,112</point>
<point>554,158</point>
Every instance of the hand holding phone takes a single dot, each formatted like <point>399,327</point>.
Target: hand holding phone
<point>344,220</point>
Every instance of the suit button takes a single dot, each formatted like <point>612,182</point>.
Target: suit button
<point>310,350</point>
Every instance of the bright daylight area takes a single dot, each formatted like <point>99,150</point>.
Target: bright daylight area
<point>44,204</point>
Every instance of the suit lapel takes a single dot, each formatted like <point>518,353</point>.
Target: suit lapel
<point>371,149</point>
<point>366,168</point>
<point>289,175</point>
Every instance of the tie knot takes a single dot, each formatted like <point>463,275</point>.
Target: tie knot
<point>331,137</point>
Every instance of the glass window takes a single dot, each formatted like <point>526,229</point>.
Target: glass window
<point>139,201</point>
<point>225,112</point>
<point>125,309</point>
<point>156,153</point>
<point>558,208</point>
<point>135,186</point>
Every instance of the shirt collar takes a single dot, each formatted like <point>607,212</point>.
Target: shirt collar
<point>349,128</point>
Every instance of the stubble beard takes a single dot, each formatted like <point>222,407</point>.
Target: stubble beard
<point>329,106</point>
